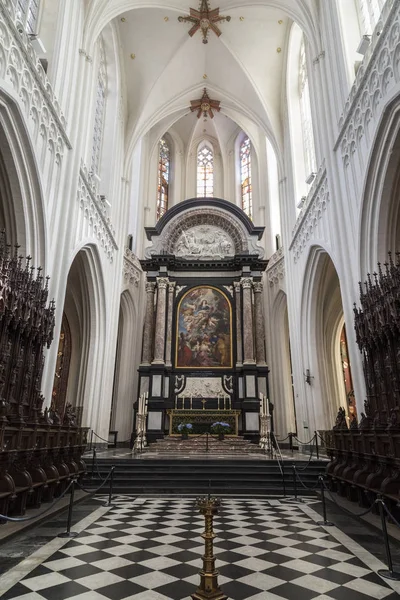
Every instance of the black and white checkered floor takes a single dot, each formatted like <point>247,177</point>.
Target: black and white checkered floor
<point>150,549</point>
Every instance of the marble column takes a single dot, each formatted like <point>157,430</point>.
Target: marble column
<point>248,338</point>
<point>159,345</point>
<point>259,327</point>
<point>239,350</point>
<point>148,330</point>
<point>171,293</point>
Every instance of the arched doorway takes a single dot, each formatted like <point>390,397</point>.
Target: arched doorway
<point>127,361</point>
<point>325,350</point>
<point>84,312</point>
<point>281,369</point>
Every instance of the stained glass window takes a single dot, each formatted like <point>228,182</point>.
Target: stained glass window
<point>28,12</point>
<point>245,177</point>
<point>369,11</point>
<point>163,178</point>
<point>100,111</point>
<point>305,111</point>
<point>205,172</point>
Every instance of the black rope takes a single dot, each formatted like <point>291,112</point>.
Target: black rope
<point>313,489</point>
<point>23,519</point>
<point>304,443</point>
<point>284,439</point>
<point>91,492</point>
<point>308,463</point>
<point>100,438</point>
<point>345,509</point>
<point>390,514</point>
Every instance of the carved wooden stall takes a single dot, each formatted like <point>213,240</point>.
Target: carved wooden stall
<point>366,455</point>
<point>203,343</point>
<point>39,450</point>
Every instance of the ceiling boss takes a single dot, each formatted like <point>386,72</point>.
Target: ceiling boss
<point>204,106</point>
<point>204,19</point>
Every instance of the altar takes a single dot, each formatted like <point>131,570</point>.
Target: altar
<point>203,356</point>
<point>201,420</point>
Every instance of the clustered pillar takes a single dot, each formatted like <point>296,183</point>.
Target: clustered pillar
<point>239,354</point>
<point>248,337</point>
<point>159,345</point>
<point>253,322</point>
<point>168,347</point>
<point>259,323</point>
<point>148,324</point>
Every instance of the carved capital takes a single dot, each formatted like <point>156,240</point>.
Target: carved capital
<point>246,282</point>
<point>162,283</point>
<point>150,287</point>
<point>236,285</point>
<point>258,287</point>
<point>171,287</point>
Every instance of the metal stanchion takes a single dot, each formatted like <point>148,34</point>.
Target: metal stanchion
<point>69,533</point>
<point>207,442</point>
<point>93,461</point>
<point>291,441</point>
<point>325,522</point>
<point>316,444</point>
<point>283,480</point>
<point>294,481</point>
<point>389,573</point>
<point>110,493</point>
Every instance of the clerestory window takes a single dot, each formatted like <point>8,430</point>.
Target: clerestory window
<point>245,177</point>
<point>164,164</point>
<point>205,172</point>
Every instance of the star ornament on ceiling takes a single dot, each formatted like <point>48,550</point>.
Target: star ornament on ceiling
<point>204,19</point>
<point>205,106</point>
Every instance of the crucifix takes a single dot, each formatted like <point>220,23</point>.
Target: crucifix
<point>204,19</point>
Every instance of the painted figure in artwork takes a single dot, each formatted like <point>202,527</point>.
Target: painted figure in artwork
<point>204,329</point>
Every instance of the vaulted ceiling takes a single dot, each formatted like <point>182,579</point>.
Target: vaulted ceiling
<point>165,68</point>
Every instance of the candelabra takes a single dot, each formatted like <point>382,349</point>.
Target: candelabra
<point>208,588</point>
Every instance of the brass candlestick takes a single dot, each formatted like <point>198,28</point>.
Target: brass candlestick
<point>208,588</point>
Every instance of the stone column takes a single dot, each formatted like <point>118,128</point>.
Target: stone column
<point>159,345</point>
<point>239,350</point>
<point>248,339</point>
<point>259,323</point>
<point>171,292</point>
<point>148,330</point>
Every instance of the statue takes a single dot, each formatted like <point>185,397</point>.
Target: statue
<point>341,422</point>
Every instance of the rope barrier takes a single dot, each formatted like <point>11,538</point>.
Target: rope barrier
<point>304,443</point>
<point>284,439</point>
<point>23,519</point>
<point>91,492</point>
<point>345,509</point>
<point>100,438</point>
<point>303,484</point>
<point>390,515</point>
<point>308,463</point>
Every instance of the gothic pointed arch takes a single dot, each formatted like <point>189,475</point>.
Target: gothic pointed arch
<point>85,309</point>
<point>380,212</point>
<point>322,324</point>
<point>21,193</point>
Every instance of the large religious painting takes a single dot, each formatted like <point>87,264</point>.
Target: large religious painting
<point>204,330</point>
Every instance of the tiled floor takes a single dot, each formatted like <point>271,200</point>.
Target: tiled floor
<point>150,549</point>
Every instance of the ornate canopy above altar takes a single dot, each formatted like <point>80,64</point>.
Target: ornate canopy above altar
<point>204,229</point>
